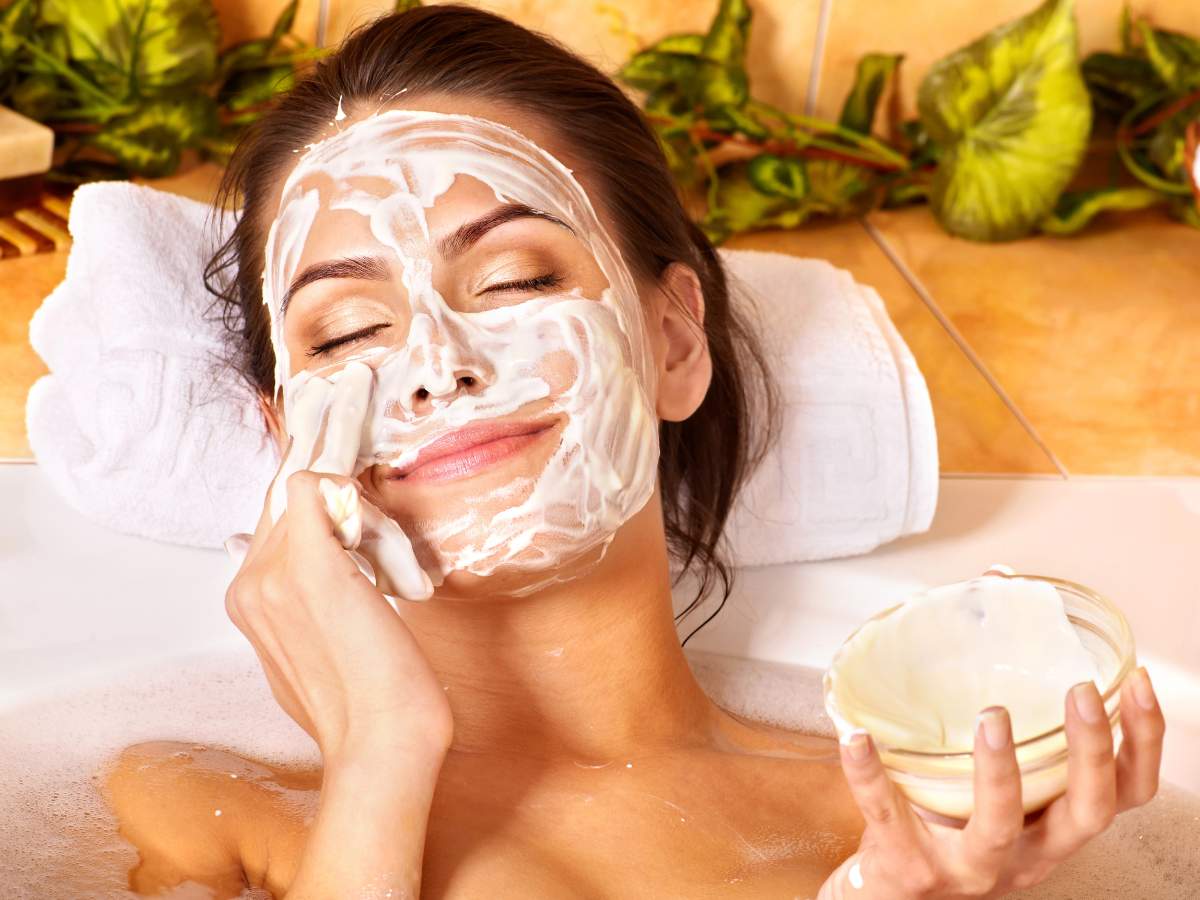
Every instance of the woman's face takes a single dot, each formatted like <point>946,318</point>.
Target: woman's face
<point>511,428</point>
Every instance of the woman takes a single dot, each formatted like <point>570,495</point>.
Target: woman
<point>534,729</point>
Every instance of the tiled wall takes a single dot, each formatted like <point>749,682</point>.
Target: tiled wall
<point>787,36</point>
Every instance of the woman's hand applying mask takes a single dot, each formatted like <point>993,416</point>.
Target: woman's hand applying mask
<point>905,855</point>
<point>338,658</point>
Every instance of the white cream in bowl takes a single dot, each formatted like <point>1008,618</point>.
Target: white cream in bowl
<point>917,676</point>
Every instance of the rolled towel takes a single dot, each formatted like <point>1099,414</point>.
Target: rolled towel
<point>143,426</point>
<point>856,464</point>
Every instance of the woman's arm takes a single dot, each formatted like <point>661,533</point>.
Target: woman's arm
<point>165,806</point>
<point>338,658</point>
<point>368,839</point>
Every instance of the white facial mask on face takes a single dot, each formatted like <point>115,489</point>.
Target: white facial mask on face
<point>390,169</point>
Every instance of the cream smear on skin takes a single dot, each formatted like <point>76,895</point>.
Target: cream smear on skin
<point>916,679</point>
<point>390,169</point>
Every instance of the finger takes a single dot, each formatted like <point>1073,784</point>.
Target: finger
<point>345,510</point>
<point>304,424</point>
<point>1142,727</point>
<point>1089,804</point>
<point>344,422</point>
<point>998,818</point>
<point>313,531</point>
<point>388,547</point>
<point>888,815</point>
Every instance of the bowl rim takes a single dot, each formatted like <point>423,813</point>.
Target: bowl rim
<point>1124,638</point>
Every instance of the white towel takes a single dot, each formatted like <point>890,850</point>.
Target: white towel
<point>856,464</point>
<point>141,426</point>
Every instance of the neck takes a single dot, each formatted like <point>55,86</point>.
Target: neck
<point>590,669</point>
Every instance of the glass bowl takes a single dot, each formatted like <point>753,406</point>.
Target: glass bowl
<point>943,782</point>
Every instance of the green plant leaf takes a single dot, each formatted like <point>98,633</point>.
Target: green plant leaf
<point>283,24</point>
<point>149,141</point>
<point>1174,56</point>
<point>837,188</point>
<point>16,25</point>
<point>1118,82</point>
<point>1185,210</point>
<point>741,206</point>
<point>1125,29</point>
<point>725,41</point>
<point>1075,209</point>
<point>245,55</point>
<point>922,151</point>
<point>707,71</point>
<point>1166,149</point>
<point>870,78</point>
<point>36,96</point>
<point>1012,115</point>
<point>139,47</point>
<point>779,176</point>
<point>654,70</point>
<point>730,119</point>
<point>687,44</point>
<point>253,87</point>
<point>905,193</point>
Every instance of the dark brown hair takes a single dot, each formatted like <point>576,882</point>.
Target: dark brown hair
<point>457,50</point>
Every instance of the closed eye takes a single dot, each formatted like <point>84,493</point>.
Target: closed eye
<point>550,279</point>
<point>351,338</point>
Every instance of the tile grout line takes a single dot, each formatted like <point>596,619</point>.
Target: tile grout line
<point>818,57</point>
<point>927,298</point>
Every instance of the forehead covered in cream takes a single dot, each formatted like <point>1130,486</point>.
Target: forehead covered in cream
<point>391,167</point>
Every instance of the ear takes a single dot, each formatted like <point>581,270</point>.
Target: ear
<point>273,419</point>
<point>684,365</point>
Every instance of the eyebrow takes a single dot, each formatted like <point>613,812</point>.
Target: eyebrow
<point>365,268</point>
<point>375,268</point>
<point>467,234</point>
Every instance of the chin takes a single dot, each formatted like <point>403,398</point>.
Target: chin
<point>516,580</point>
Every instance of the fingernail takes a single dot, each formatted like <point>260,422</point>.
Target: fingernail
<point>858,744</point>
<point>235,545</point>
<point>1143,690</point>
<point>994,723</point>
<point>1087,702</point>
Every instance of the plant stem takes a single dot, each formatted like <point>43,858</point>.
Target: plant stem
<point>1126,131</point>
<point>812,123</point>
<point>817,149</point>
<point>1165,113</point>
<point>710,171</point>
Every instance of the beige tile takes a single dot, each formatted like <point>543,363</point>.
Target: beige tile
<point>24,282</point>
<point>977,433</point>
<point>245,19</point>
<point>782,32</point>
<point>926,30</point>
<point>1094,337</point>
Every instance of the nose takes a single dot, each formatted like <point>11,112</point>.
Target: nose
<point>428,395</point>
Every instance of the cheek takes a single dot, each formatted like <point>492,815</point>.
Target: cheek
<point>559,369</point>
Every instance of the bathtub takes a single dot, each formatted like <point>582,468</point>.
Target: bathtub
<point>82,607</point>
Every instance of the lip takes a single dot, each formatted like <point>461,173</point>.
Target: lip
<point>469,449</point>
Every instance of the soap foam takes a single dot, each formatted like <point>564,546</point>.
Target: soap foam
<point>58,839</point>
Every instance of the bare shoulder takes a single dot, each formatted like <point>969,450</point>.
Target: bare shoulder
<point>795,774</point>
<point>200,813</point>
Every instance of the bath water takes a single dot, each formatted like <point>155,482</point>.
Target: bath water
<point>59,840</point>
